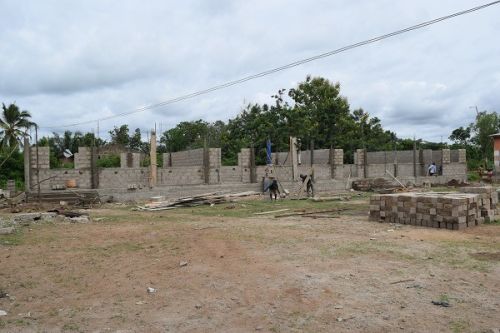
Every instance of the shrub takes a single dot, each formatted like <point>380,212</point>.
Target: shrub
<point>109,161</point>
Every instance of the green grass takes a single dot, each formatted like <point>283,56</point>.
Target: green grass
<point>370,248</point>
<point>113,249</point>
<point>457,254</point>
<point>459,326</point>
<point>71,327</point>
<point>13,239</point>
<point>493,222</point>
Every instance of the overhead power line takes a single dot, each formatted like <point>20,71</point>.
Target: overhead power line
<point>283,67</point>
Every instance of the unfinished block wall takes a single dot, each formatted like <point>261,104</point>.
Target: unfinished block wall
<point>190,167</point>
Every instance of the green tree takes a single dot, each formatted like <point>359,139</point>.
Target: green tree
<point>14,125</point>
<point>461,135</point>
<point>119,135</point>
<point>487,123</point>
<point>324,113</point>
<point>135,140</point>
<point>186,135</point>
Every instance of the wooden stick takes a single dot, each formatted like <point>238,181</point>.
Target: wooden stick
<point>310,213</point>
<point>401,281</point>
<point>390,174</point>
<point>272,211</point>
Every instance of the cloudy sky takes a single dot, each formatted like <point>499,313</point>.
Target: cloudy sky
<point>73,61</point>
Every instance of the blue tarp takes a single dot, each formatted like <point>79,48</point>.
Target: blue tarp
<point>268,150</point>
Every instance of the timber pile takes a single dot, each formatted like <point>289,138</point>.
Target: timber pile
<point>197,200</point>
<point>373,184</point>
<point>454,211</point>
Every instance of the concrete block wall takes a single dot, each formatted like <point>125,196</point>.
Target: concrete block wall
<point>193,157</point>
<point>123,177</point>
<point>338,156</point>
<point>321,156</point>
<point>43,157</point>
<point>58,177</point>
<point>244,158</point>
<point>230,174</point>
<point>130,160</point>
<point>83,158</point>
<point>180,175</point>
<point>185,174</point>
<point>454,169</point>
<point>281,158</point>
<point>215,156</point>
<point>462,156</point>
<point>446,156</point>
<point>376,170</point>
<point>405,170</point>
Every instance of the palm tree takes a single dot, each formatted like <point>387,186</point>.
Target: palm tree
<point>13,126</point>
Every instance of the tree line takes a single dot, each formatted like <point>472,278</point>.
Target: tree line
<point>314,111</point>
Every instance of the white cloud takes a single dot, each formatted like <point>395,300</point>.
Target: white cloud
<point>71,62</point>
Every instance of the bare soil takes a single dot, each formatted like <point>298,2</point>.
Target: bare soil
<point>247,273</point>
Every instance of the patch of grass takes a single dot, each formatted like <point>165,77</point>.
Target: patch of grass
<point>244,209</point>
<point>71,327</point>
<point>16,238</point>
<point>28,284</point>
<point>444,298</point>
<point>459,254</point>
<point>115,248</point>
<point>459,326</point>
<point>372,248</point>
<point>494,222</point>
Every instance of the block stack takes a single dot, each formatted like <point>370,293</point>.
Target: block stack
<point>455,211</point>
<point>487,200</point>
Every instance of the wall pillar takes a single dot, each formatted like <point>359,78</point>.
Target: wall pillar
<point>293,155</point>
<point>27,164</point>
<point>153,163</point>
<point>445,160</point>
<point>360,163</point>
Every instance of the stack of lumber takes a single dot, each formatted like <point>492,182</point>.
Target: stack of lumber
<point>196,200</point>
<point>455,211</point>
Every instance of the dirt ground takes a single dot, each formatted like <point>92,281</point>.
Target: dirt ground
<point>248,273</point>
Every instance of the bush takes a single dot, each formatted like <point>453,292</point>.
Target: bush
<point>13,168</point>
<point>473,176</point>
<point>109,161</point>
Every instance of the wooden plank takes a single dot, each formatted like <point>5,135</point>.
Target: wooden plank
<point>272,211</point>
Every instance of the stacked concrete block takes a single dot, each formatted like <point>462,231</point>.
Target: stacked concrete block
<point>487,200</point>
<point>83,158</point>
<point>43,158</point>
<point>454,211</point>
